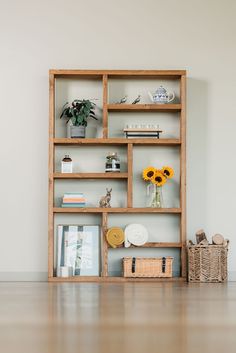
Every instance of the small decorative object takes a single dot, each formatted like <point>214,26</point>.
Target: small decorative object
<point>218,239</point>
<point>78,250</point>
<point>147,267</point>
<point>112,162</point>
<point>123,100</point>
<point>207,262</point>
<point>115,237</point>
<point>135,234</point>
<point>73,199</point>
<point>105,200</point>
<point>161,96</point>
<point>137,100</point>
<point>156,178</point>
<point>200,235</point>
<point>141,132</point>
<point>77,114</point>
<point>66,164</point>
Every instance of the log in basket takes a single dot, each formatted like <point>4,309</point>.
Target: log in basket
<point>207,263</point>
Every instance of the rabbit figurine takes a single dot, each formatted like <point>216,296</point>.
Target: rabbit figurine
<point>105,200</point>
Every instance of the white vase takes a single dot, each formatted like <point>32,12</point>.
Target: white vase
<point>76,131</point>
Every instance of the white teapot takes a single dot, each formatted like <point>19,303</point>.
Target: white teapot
<point>161,96</point>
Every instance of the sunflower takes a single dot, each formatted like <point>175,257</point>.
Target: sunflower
<point>148,173</point>
<point>168,172</point>
<point>159,178</point>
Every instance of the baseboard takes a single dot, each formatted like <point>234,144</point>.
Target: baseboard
<point>232,276</point>
<point>23,276</point>
<point>42,276</point>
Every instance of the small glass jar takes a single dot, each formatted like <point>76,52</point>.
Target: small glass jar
<point>66,164</point>
<point>112,163</point>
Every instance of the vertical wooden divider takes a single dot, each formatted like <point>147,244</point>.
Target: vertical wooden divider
<point>104,215</point>
<point>183,174</point>
<point>130,175</point>
<point>105,112</point>
<point>50,175</point>
<point>104,245</point>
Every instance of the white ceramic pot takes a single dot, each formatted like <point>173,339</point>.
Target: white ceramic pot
<point>77,131</point>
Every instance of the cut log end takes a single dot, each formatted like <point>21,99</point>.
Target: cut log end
<point>200,236</point>
<point>218,239</point>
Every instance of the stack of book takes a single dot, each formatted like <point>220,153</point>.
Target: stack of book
<point>73,199</point>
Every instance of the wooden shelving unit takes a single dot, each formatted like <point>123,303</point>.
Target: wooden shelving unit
<point>115,141</point>
<point>90,175</point>
<point>144,107</point>
<point>116,210</point>
<point>104,76</point>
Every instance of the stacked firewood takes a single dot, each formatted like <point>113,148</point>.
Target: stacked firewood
<point>201,239</point>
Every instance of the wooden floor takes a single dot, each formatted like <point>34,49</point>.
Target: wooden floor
<point>110,318</point>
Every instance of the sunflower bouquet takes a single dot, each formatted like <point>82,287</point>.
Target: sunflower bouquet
<point>157,178</point>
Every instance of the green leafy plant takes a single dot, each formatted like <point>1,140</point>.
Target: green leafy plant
<point>79,111</point>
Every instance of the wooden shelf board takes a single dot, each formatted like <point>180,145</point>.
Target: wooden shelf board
<point>151,245</point>
<point>90,175</point>
<point>115,210</point>
<point>114,279</point>
<point>116,141</point>
<point>144,107</point>
<point>141,74</point>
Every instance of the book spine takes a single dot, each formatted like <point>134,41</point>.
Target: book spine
<point>72,195</point>
<point>73,200</point>
<point>74,205</point>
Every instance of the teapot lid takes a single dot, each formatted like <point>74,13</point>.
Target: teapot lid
<point>161,90</point>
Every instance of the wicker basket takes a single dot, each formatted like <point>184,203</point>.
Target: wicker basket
<point>147,267</point>
<point>207,263</point>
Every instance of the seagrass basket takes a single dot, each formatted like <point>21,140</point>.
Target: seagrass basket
<point>207,263</point>
<point>147,267</point>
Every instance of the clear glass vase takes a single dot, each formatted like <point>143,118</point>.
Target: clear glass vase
<point>154,196</point>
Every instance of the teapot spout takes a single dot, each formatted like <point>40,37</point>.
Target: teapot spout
<point>151,96</point>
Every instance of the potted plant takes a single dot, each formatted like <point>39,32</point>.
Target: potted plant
<point>77,113</point>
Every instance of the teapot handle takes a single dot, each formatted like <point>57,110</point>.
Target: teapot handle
<point>172,98</point>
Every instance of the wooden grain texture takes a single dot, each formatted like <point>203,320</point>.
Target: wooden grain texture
<point>50,176</point>
<point>114,279</point>
<point>104,245</point>
<point>116,141</point>
<point>168,74</point>
<point>105,113</point>
<point>153,245</point>
<point>144,107</point>
<point>117,210</point>
<point>126,317</point>
<point>183,175</point>
<point>130,175</point>
<point>90,175</point>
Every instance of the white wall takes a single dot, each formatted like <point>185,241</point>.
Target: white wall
<point>198,36</point>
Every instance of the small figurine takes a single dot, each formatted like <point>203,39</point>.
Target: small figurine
<point>105,200</point>
<point>123,100</point>
<point>137,100</point>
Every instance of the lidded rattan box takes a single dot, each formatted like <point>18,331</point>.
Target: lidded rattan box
<point>207,263</point>
<point>147,267</point>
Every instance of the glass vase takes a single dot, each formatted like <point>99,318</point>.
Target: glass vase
<point>154,195</point>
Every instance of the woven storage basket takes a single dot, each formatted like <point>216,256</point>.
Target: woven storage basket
<point>147,267</point>
<point>207,263</point>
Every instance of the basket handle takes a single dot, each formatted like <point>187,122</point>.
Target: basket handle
<point>163,265</point>
<point>133,264</point>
